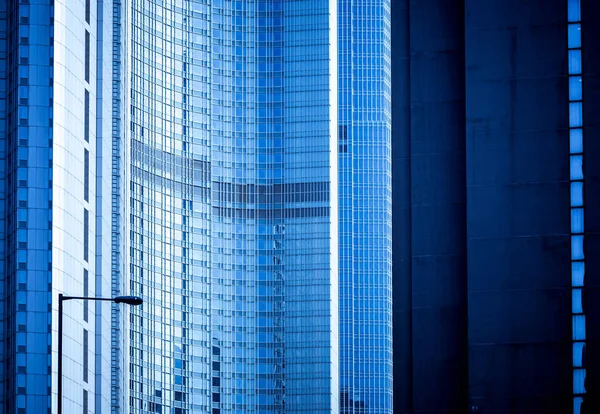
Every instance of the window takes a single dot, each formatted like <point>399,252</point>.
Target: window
<point>86,218</point>
<point>85,402</point>
<point>87,56</point>
<point>86,116</point>
<point>87,10</point>
<point>86,175</point>
<point>85,294</point>
<point>85,355</point>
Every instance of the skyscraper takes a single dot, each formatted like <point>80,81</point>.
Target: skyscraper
<point>187,152</point>
<point>364,139</point>
<point>494,216</point>
<point>55,135</point>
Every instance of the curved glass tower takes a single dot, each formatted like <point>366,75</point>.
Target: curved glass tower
<point>233,207</point>
<point>186,151</point>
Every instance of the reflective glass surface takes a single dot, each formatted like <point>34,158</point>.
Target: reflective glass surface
<point>364,144</point>
<point>231,218</point>
<point>26,168</point>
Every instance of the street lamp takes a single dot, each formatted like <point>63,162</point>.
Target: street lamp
<point>129,300</point>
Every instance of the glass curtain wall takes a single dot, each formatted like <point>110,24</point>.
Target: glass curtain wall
<point>364,144</point>
<point>232,227</point>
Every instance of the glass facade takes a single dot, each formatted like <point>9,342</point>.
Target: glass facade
<point>232,224</point>
<point>55,221</point>
<point>27,188</point>
<point>187,152</point>
<point>364,144</point>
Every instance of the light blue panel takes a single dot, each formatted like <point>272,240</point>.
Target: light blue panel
<point>577,194</point>
<point>578,354</point>
<point>577,273</point>
<point>579,327</point>
<point>576,167</point>
<point>574,36</point>
<point>576,140</point>
<point>575,114</point>
<point>577,224</point>
<point>577,248</point>
<point>578,381</point>
<point>575,88</point>
<point>577,401</point>
<point>574,11</point>
<point>576,304</point>
<point>574,62</point>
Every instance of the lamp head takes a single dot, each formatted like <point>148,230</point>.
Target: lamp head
<point>129,300</point>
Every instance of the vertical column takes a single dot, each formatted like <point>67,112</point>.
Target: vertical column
<point>401,214</point>
<point>589,16</point>
<point>3,132</point>
<point>438,206</point>
<point>577,201</point>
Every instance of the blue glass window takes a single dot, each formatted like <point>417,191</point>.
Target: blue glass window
<point>578,381</point>
<point>575,114</point>
<point>576,140</point>
<point>577,273</point>
<point>574,11</point>
<point>576,167</point>
<point>577,220</point>
<point>574,36</point>
<point>577,248</point>
<point>577,401</point>
<point>579,327</point>
<point>576,301</point>
<point>575,88</point>
<point>578,350</point>
<point>577,194</point>
<point>574,62</point>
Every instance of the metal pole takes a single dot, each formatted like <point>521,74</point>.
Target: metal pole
<point>60,350</point>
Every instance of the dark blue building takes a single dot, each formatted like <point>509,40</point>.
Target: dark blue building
<point>495,213</point>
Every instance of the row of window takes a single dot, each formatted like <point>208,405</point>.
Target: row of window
<point>86,198</point>
<point>577,201</point>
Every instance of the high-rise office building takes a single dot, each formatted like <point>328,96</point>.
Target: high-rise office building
<point>187,152</point>
<point>55,133</point>
<point>364,139</point>
<point>495,218</point>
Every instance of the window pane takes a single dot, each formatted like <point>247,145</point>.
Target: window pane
<point>578,380</point>
<point>577,273</point>
<point>574,11</point>
<point>575,88</point>
<point>574,62</point>
<point>575,115</point>
<point>577,401</point>
<point>577,248</point>
<point>577,194</point>
<point>574,35</point>
<point>579,327</point>
<point>577,220</point>
<point>578,350</point>
<point>576,301</point>
<point>576,167</point>
<point>576,138</point>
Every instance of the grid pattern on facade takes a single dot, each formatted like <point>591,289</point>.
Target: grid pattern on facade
<point>364,145</point>
<point>577,202</point>
<point>168,206</point>
<point>26,79</point>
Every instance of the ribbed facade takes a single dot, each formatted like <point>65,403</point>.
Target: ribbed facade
<point>495,184</point>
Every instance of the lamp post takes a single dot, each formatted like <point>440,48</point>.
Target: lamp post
<point>129,300</point>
